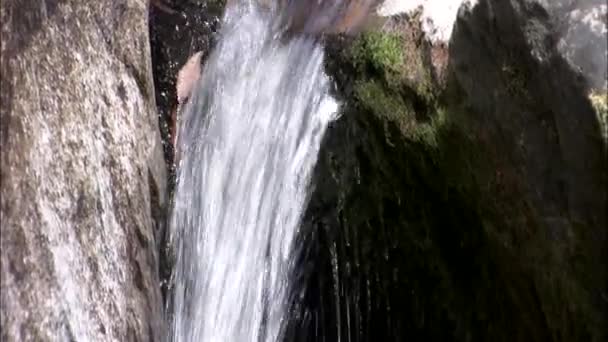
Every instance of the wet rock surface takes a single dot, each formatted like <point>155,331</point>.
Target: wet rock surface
<point>534,108</point>
<point>470,207</point>
<point>175,35</point>
<point>83,175</point>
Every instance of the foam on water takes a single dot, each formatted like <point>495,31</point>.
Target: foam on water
<point>248,143</point>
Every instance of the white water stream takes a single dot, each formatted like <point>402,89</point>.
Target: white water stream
<point>248,143</point>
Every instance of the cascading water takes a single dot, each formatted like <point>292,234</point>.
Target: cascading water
<point>248,143</point>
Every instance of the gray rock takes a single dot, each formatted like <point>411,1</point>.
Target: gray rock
<point>533,107</point>
<point>582,31</point>
<point>83,176</point>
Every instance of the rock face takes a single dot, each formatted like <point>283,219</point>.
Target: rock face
<point>470,207</point>
<point>581,26</point>
<point>83,176</point>
<point>534,108</point>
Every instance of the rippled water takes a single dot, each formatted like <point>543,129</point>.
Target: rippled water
<point>248,143</point>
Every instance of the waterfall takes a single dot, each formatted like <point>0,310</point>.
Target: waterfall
<point>248,143</point>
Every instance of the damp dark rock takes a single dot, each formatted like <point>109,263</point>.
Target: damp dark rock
<point>462,194</point>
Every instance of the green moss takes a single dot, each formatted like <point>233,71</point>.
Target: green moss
<point>386,104</point>
<point>428,132</point>
<point>392,59</point>
<point>378,50</point>
<point>390,81</point>
<point>374,97</point>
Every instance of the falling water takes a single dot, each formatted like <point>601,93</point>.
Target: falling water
<point>248,142</point>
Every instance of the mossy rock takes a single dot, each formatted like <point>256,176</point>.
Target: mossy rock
<point>388,74</point>
<point>424,219</point>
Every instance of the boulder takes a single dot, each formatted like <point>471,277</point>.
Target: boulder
<point>83,176</point>
<point>461,200</point>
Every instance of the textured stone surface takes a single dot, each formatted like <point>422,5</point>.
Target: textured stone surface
<point>533,107</point>
<point>582,29</point>
<point>82,179</point>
